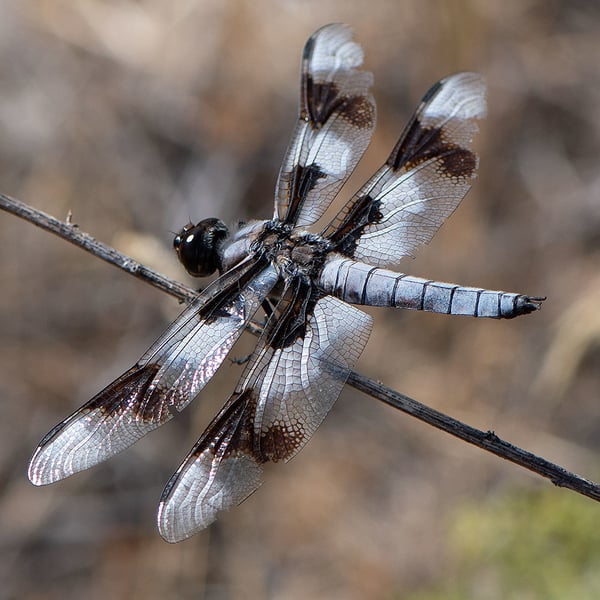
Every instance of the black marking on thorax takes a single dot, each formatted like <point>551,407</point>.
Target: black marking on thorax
<point>295,253</point>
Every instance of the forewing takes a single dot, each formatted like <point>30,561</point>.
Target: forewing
<point>293,379</point>
<point>424,179</point>
<point>336,120</point>
<point>162,383</point>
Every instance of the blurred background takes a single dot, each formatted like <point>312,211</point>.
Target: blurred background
<point>138,116</point>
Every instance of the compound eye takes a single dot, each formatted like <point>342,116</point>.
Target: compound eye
<point>180,237</point>
<point>198,246</point>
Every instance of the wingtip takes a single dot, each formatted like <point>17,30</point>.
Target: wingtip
<point>169,536</point>
<point>472,87</point>
<point>170,524</point>
<point>33,475</point>
<point>334,27</point>
<point>42,472</point>
<point>36,472</point>
<point>334,41</point>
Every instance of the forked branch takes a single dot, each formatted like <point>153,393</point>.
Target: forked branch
<point>487,440</point>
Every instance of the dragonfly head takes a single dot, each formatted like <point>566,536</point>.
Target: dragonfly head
<point>199,246</point>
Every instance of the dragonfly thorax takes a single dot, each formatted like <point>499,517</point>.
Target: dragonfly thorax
<point>293,252</point>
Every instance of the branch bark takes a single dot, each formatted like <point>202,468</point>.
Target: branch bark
<point>486,440</point>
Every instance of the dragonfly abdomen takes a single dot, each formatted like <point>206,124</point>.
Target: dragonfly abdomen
<point>358,283</point>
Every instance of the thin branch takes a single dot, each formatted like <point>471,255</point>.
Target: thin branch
<point>70,232</point>
<point>486,440</point>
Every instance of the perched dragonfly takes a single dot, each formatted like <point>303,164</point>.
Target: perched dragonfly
<point>304,282</point>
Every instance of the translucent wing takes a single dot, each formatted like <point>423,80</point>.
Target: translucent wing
<point>162,383</point>
<point>293,379</point>
<point>337,117</point>
<point>424,179</point>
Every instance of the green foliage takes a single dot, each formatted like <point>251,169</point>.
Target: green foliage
<point>542,545</point>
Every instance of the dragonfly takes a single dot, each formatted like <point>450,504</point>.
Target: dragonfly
<point>305,279</point>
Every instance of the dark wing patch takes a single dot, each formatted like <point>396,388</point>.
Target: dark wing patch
<point>292,314</point>
<point>162,383</point>
<point>283,396</point>
<point>424,179</point>
<point>421,144</point>
<point>323,100</point>
<point>336,120</point>
<point>306,178</point>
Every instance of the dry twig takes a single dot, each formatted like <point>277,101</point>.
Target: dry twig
<point>487,440</point>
